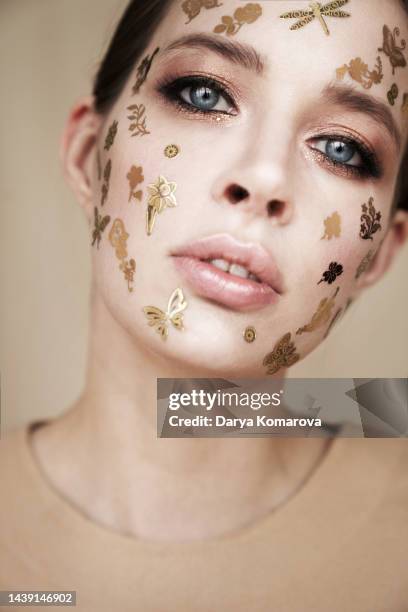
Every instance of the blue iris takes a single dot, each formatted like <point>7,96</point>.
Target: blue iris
<point>204,97</point>
<point>340,151</point>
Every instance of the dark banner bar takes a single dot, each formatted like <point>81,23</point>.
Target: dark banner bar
<point>347,407</point>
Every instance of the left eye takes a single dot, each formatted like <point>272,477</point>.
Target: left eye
<point>339,151</point>
<point>205,98</point>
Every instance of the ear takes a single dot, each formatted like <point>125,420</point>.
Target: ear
<point>394,239</point>
<point>78,151</point>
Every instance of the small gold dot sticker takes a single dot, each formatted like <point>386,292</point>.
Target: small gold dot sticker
<point>250,334</point>
<point>171,150</point>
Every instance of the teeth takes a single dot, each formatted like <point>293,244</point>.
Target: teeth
<point>239,271</point>
<point>221,264</point>
<point>235,269</point>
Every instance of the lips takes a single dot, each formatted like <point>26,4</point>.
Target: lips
<point>231,289</point>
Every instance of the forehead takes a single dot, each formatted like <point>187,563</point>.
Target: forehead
<point>307,58</point>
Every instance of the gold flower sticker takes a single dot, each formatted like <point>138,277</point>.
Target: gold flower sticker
<point>358,71</point>
<point>245,14</point>
<point>135,177</point>
<point>161,196</point>
<point>118,238</point>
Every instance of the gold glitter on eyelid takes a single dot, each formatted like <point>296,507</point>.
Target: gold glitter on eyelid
<point>250,334</point>
<point>316,11</point>
<point>160,320</point>
<point>138,125</point>
<point>100,224</point>
<point>391,48</point>
<point>392,94</point>
<point>283,355</point>
<point>143,70</point>
<point>370,220</point>
<point>106,178</point>
<point>192,8</point>
<point>118,238</point>
<point>332,227</point>
<point>110,137</point>
<point>358,71</point>
<point>135,177</point>
<point>171,151</point>
<point>243,15</point>
<point>161,196</point>
<point>321,316</point>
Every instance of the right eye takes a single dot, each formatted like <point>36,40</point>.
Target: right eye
<point>200,94</point>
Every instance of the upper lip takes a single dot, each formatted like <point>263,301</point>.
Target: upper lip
<point>224,246</point>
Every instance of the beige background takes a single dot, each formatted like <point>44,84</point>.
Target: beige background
<point>49,51</point>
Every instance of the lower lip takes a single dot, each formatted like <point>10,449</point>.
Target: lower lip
<point>224,288</point>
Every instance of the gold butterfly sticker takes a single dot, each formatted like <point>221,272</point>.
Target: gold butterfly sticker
<point>391,48</point>
<point>160,320</point>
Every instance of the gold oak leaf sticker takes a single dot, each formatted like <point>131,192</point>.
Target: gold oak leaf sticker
<point>283,355</point>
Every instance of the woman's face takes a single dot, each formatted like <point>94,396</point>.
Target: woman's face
<point>288,143</point>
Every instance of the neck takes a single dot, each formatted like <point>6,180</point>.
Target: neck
<point>127,478</point>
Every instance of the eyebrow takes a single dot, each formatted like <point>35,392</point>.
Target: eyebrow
<point>236,52</point>
<point>359,102</point>
<point>246,56</point>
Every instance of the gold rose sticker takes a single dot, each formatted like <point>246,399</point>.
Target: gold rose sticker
<point>245,14</point>
<point>192,8</point>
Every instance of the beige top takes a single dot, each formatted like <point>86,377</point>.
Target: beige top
<point>340,544</point>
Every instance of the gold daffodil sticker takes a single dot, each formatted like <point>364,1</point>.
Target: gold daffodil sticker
<point>161,196</point>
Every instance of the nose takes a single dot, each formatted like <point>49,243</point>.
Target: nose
<point>259,189</point>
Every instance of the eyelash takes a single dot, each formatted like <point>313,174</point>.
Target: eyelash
<point>370,167</point>
<point>171,89</point>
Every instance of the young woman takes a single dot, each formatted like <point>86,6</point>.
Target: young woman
<point>243,170</point>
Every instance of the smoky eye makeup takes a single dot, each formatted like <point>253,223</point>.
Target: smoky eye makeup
<point>345,156</point>
<point>197,94</point>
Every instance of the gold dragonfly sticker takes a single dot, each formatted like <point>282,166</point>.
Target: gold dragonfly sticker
<point>160,320</point>
<point>316,11</point>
